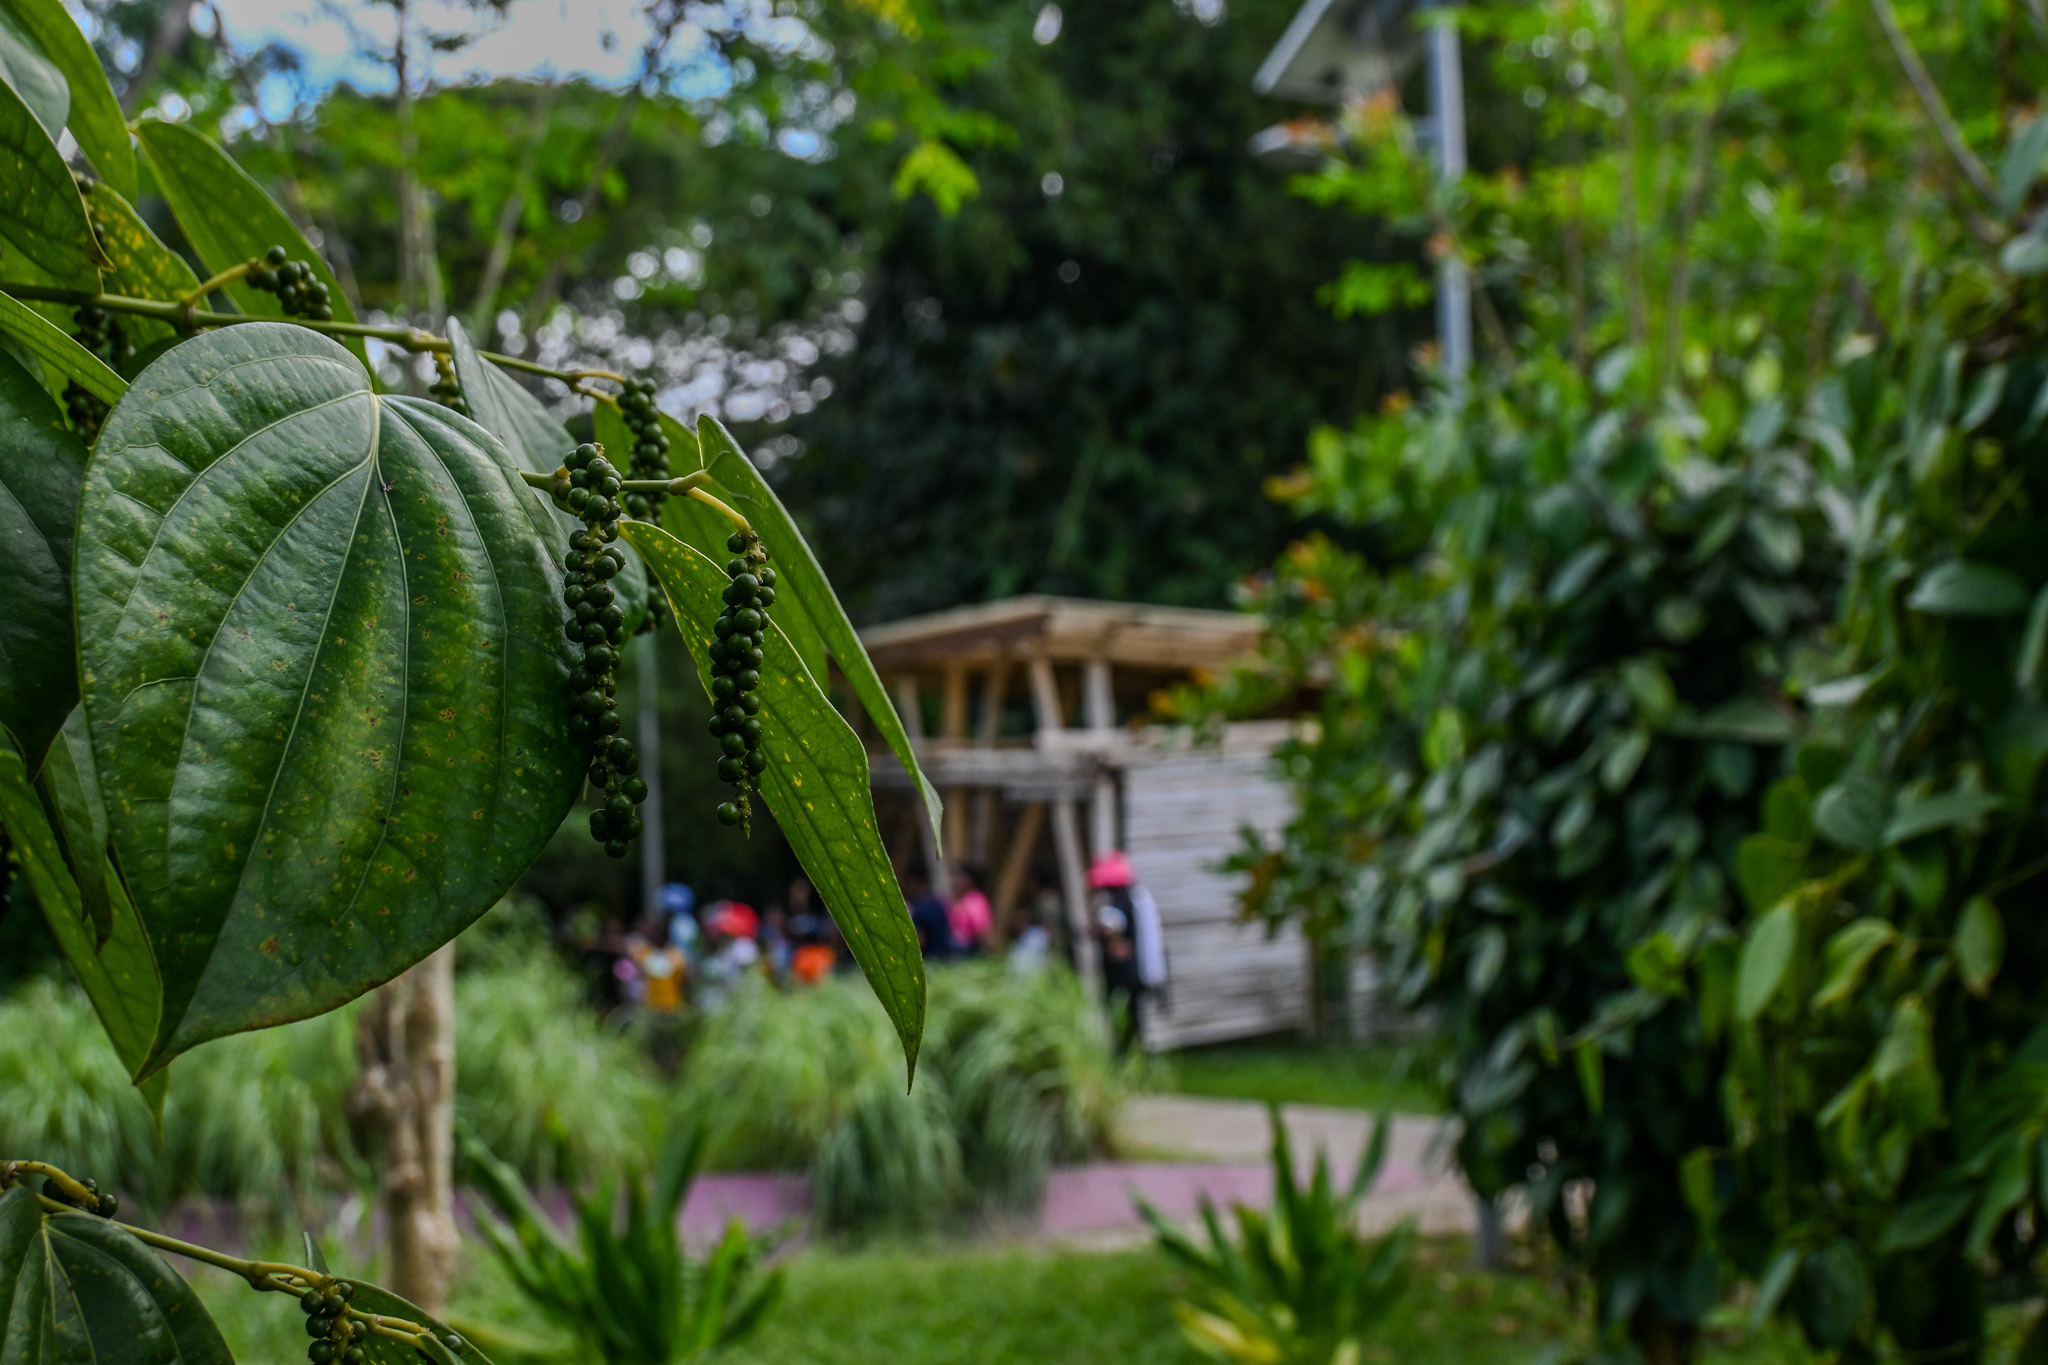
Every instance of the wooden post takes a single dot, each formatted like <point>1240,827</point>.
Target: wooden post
<point>913,725</point>
<point>1017,863</point>
<point>1066,838</point>
<point>1066,830</point>
<point>981,829</point>
<point>953,730</point>
<point>1098,701</point>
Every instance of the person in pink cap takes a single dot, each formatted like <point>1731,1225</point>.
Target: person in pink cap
<point>1133,949</point>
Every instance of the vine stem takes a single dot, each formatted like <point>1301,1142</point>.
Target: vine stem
<point>182,315</point>
<point>740,523</point>
<point>191,297</point>
<point>687,484</point>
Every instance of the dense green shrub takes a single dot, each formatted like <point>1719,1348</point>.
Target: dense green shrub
<point>1016,1075</point>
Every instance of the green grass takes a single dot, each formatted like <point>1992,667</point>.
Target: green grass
<point>968,1304</point>
<point>1396,1076</point>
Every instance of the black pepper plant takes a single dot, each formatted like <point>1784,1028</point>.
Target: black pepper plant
<point>299,674</point>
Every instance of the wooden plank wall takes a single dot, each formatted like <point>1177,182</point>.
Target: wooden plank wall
<point>1182,815</point>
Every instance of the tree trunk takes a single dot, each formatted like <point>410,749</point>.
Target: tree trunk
<point>404,1104</point>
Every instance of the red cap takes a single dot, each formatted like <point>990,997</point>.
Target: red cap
<point>1111,869</point>
<point>736,921</point>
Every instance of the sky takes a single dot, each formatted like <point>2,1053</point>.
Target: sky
<point>598,39</point>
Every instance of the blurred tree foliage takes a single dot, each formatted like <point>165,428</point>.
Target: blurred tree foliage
<point>1677,720</point>
<point>1080,381</point>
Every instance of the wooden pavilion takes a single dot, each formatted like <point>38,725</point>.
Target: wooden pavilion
<point>1027,715</point>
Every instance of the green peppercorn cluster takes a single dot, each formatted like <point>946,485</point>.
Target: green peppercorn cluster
<point>736,659</point>
<point>104,334</point>
<point>105,1205</point>
<point>335,1334</point>
<point>591,491</point>
<point>446,388</point>
<point>298,289</point>
<point>650,447</point>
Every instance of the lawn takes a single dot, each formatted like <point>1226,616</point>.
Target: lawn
<point>972,1304</point>
<point>1396,1076</point>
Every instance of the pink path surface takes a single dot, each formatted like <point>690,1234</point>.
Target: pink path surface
<point>1078,1199</point>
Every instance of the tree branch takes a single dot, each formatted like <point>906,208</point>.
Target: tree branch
<point>1930,100</point>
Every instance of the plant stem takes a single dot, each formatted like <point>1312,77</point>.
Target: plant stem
<point>687,484</point>
<point>739,522</point>
<point>1930,100</point>
<point>191,298</point>
<point>179,315</point>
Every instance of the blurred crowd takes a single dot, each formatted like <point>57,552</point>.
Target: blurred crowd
<point>688,954</point>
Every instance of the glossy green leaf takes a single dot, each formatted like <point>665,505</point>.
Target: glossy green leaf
<point>41,465</point>
<point>1848,954</point>
<point>69,786</point>
<point>801,577</point>
<point>323,664</point>
<point>704,529</point>
<point>1920,1221</point>
<point>60,356</point>
<point>538,444</point>
<point>76,1289</point>
<point>1767,867</point>
<point>1851,813</point>
<point>382,1350</point>
<point>1592,1069</point>
<point>95,117</point>
<point>141,266</point>
<point>31,73</point>
<point>41,215</point>
<point>816,785</point>
<point>1766,957</point>
<point>1961,588</point>
<point>1979,944</point>
<point>228,218</point>
<point>1914,818</point>
<point>118,973</point>
<point>1834,1293</point>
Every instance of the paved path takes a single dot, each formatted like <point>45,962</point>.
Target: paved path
<point>1217,1148</point>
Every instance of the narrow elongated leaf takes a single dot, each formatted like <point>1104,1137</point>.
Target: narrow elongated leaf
<point>1979,944</point>
<point>141,266</point>
<point>816,784</point>
<point>704,529</point>
<point>1961,588</point>
<point>119,974</point>
<point>799,576</point>
<point>76,1289</point>
<point>1766,956</point>
<point>324,669</point>
<point>538,444</point>
<point>228,218</point>
<point>1849,951</point>
<point>95,117</point>
<point>1928,814</point>
<point>60,356</point>
<point>41,465</point>
<point>41,215</point>
<point>28,69</point>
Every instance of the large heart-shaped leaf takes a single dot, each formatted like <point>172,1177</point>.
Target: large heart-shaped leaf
<point>816,784</point>
<point>79,1290</point>
<point>324,669</point>
<point>114,965</point>
<point>538,444</point>
<point>228,218</point>
<point>60,356</point>
<point>41,464</point>
<point>800,578</point>
<point>41,215</point>
<point>95,115</point>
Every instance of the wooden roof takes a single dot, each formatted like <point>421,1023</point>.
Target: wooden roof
<point>1063,629</point>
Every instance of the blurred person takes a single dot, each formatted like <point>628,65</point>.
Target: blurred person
<point>969,916</point>
<point>664,971</point>
<point>928,917</point>
<point>1133,947</point>
<point>775,944</point>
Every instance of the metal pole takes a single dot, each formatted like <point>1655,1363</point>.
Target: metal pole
<point>1447,118</point>
<point>653,862</point>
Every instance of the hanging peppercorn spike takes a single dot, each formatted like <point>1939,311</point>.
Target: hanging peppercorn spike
<point>596,621</point>
<point>447,388</point>
<point>736,659</point>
